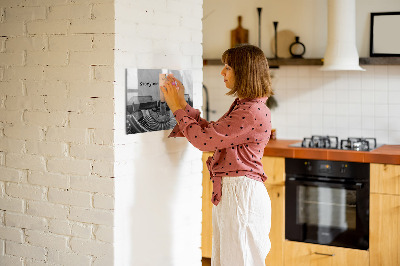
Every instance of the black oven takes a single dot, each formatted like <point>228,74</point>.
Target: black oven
<point>327,202</point>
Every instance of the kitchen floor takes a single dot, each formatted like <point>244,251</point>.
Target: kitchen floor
<point>206,261</point>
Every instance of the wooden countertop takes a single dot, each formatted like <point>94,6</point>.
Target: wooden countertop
<point>389,154</point>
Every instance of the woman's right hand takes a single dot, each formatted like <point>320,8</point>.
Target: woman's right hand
<point>181,91</point>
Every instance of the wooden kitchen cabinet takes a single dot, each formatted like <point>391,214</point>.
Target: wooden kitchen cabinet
<point>305,254</point>
<point>385,178</point>
<point>277,233</point>
<point>206,225</point>
<point>274,168</point>
<point>384,237</point>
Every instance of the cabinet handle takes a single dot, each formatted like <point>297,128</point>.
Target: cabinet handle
<point>324,254</point>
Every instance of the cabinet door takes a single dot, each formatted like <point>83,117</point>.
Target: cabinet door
<point>206,226</point>
<point>384,230</point>
<point>304,254</point>
<point>385,178</point>
<point>277,233</point>
<point>274,168</point>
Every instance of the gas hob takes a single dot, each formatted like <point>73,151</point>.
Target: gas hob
<point>332,142</point>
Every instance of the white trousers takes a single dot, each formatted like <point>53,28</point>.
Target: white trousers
<point>241,223</point>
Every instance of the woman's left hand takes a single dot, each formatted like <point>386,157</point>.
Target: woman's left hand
<point>170,91</point>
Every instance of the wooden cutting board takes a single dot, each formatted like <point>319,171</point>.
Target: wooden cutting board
<point>239,35</point>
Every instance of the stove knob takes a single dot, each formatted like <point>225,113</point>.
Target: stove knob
<point>308,166</point>
<point>343,168</point>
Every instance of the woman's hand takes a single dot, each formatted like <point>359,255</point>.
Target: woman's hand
<point>174,94</point>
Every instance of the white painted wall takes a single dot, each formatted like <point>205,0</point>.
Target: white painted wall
<point>56,132</point>
<point>158,180</point>
<point>344,103</point>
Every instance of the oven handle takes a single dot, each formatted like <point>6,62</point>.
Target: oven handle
<point>357,185</point>
<point>324,254</point>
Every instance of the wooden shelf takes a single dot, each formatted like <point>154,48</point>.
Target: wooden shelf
<point>274,63</point>
<point>380,61</point>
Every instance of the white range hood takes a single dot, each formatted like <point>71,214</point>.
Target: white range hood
<point>341,51</point>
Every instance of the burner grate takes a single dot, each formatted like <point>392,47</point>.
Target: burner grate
<point>358,144</point>
<point>327,142</point>
<point>332,142</point>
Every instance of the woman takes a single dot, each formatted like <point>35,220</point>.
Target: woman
<point>242,208</point>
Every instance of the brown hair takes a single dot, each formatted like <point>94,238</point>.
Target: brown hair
<point>250,66</point>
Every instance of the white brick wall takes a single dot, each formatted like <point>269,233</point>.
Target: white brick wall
<point>153,174</point>
<point>62,66</point>
<point>56,132</point>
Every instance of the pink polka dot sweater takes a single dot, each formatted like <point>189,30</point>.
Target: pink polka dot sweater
<point>238,139</point>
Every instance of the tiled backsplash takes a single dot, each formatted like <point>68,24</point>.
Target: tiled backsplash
<point>341,103</point>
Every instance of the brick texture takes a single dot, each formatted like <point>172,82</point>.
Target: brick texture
<point>56,129</point>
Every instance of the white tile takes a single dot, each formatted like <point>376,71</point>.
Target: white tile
<point>367,110</point>
<point>367,83</point>
<point>342,96</point>
<point>367,133</point>
<point>317,131</point>
<point>355,132</point>
<point>292,83</point>
<point>354,75</point>
<point>394,110</point>
<point>381,97</point>
<point>303,131</point>
<point>394,123</point>
<point>394,83</point>
<point>382,123</point>
<point>317,121</point>
<point>317,107</point>
<point>303,82</point>
<point>342,133</point>
<point>354,83</point>
<point>291,71</point>
<point>342,81</point>
<point>329,95</point>
<point>355,109</point>
<point>382,136</point>
<point>293,120</point>
<point>329,109</point>
<point>367,96</point>
<point>381,71</point>
<point>329,121</point>
<point>304,72</point>
<point>381,110</point>
<point>316,82</point>
<point>328,74</point>
<point>369,70</point>
<point>394,97</point>
<point>305,109</point>
<point>355,122</point>
<point>355,96</point>
<point>292,133</point>
<point>317,95</point>
<point>342,109</point>
<point>342,122</point>
<point>368,122</point>
<point>331,131</point>
<point>278,83</point>
<point>381,84</point>
<point>394,137</point>
<point>394,70</point>
<point>305,95</point>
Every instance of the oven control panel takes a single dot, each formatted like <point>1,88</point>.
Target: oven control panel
<point>337,169</point>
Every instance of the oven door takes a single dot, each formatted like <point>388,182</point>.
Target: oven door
<point>327,213</point>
